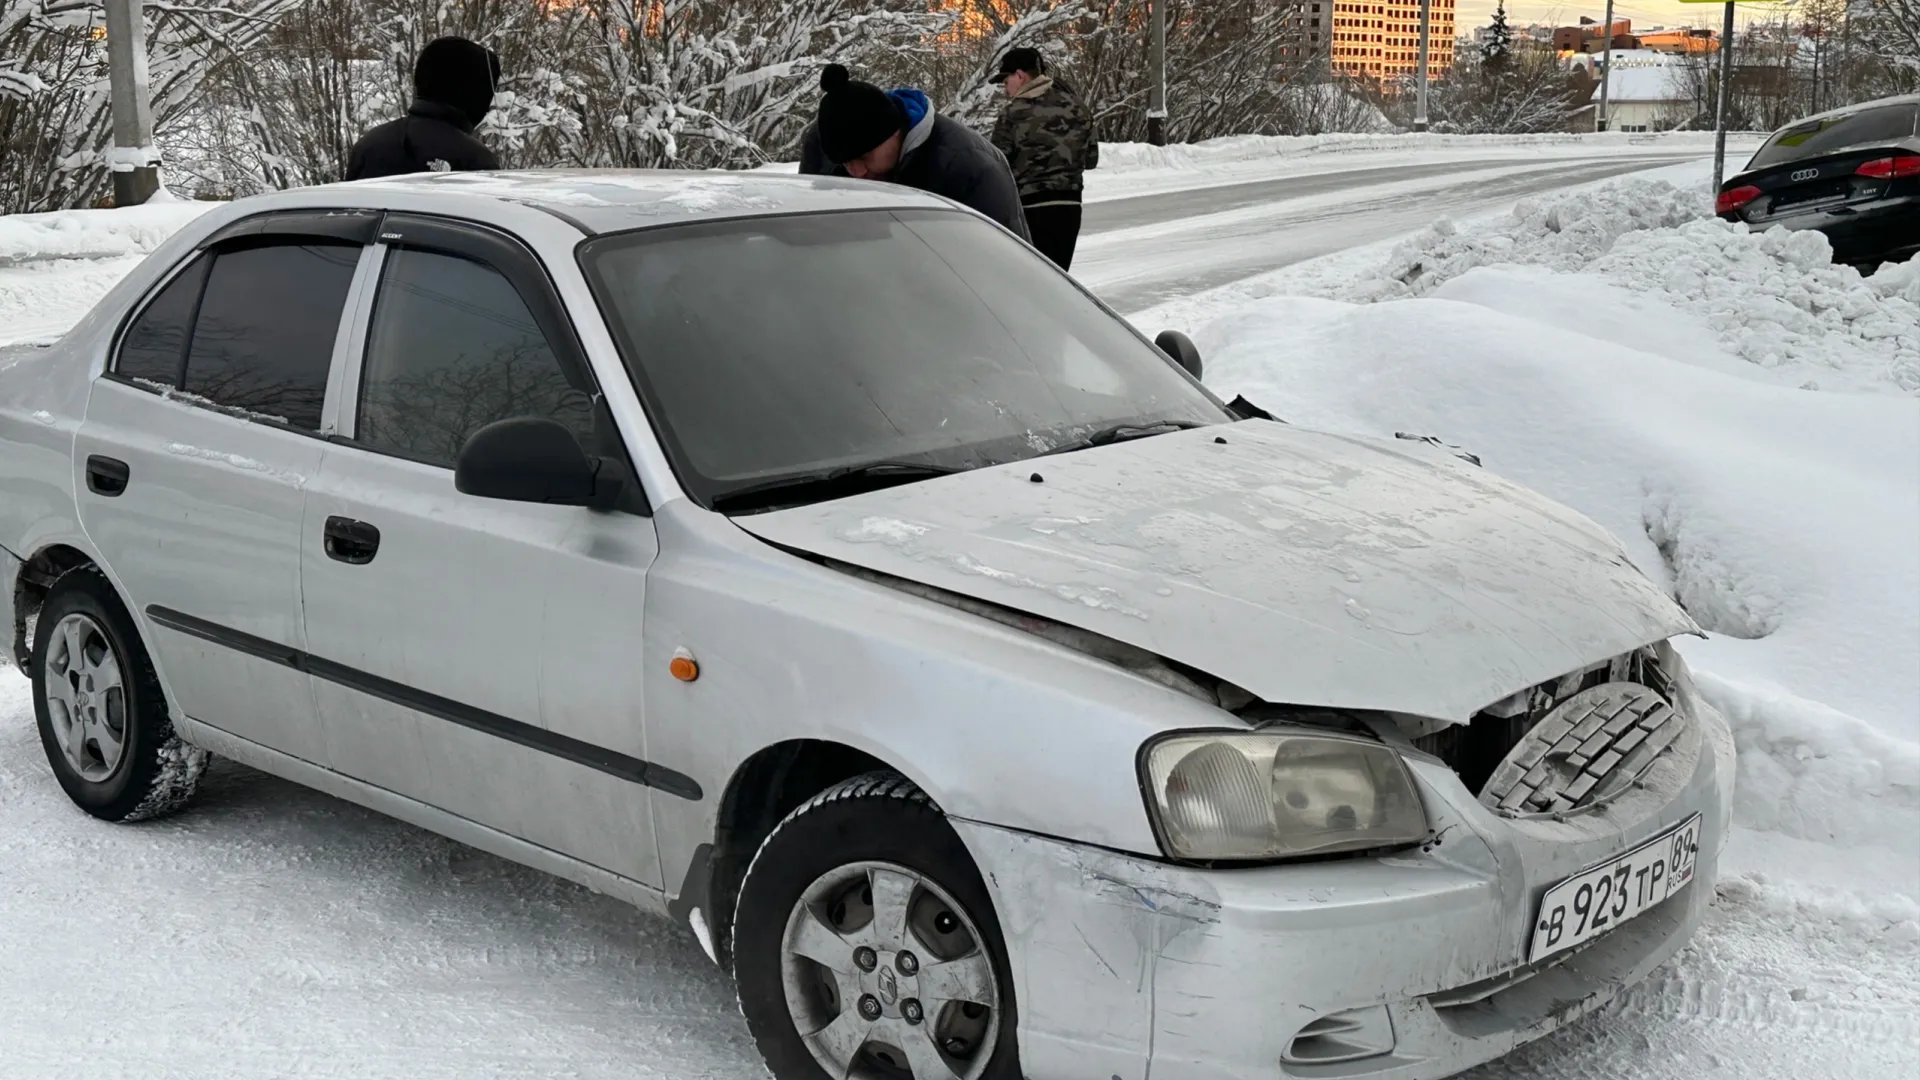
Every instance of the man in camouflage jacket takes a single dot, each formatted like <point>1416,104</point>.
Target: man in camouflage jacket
<point>1047,136</point>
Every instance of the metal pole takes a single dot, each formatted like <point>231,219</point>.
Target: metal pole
<point>1420,92</point>
<point>1157,93</point>
<point>133,159</point>
<point>1726,91</point>
<point>1606,69</point>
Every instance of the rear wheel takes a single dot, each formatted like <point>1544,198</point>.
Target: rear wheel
<point>102,716</point>
<point>866,945</point>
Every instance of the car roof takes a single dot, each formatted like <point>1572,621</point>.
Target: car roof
<point>615,200</point>
<point>1861,106</point>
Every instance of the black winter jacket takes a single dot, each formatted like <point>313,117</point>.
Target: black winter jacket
<point>943,157</point>
<point>431,138</point>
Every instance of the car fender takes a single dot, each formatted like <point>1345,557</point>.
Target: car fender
<point>996,725</point>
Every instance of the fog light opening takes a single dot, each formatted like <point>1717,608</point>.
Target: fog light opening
<point>1353,1035</point>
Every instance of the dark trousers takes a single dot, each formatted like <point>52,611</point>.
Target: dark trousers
<point>1056,231</point>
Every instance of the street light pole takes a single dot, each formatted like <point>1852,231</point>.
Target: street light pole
<point>1606,70</point>
<point>1726,91</point>
<point>133,158</point>
<point>1157,93</point>
<point>1420,98</point>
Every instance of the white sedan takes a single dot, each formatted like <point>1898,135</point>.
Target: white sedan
<point>809,561</point>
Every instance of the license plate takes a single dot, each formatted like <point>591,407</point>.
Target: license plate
<point>1602,897</point>
<point>1811,204</point>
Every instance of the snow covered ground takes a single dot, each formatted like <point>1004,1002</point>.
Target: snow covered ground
<point>54,266</point>
<point>1741,415</point>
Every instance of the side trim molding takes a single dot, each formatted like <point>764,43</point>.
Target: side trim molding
<point>514,731</point>
<point>646,897</point>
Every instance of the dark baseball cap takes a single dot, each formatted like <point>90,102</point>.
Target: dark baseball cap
<point>1027,60</point>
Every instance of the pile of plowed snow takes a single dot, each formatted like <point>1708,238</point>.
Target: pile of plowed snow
<point>93,234</point>
<point>1771,300</point>
<point>54,266</point>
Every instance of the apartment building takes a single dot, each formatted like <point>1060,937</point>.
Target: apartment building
<point>1381,38</point>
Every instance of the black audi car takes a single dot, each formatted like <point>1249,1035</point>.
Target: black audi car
<point>1852,173</point>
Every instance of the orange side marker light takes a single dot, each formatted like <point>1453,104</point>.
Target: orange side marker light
<point>683,666</point>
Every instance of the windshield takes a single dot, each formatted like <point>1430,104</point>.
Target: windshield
<point>784,347</point>
<point>1887,123</point>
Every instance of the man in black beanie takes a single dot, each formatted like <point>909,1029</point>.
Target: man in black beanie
<point>453,82</point>
<point>868,133</point>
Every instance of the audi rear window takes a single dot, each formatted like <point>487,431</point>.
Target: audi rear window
<point>1885,123</point>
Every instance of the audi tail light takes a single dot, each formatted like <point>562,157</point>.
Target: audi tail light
<point>1891,168</point>
<point>1734,198</point>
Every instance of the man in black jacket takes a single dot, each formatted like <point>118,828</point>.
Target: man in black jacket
<point>868,133</point>
<point>453,82</point>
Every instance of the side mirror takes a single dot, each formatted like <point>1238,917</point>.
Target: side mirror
<point>1182,349</point>
<point>531,460</point>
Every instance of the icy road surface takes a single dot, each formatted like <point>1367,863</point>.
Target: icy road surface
<point>1147,249</point>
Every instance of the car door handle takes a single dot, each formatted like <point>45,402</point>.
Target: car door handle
<point>352,542</point>
<point>107,476</point>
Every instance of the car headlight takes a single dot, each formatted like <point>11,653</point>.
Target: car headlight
<point>1279,795</point>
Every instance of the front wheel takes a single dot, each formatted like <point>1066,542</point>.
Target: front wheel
<point>865,945</point>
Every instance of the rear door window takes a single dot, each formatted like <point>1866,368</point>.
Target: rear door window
<point>155,345</point>
<point>1885,123</point>
<point>263,340</point>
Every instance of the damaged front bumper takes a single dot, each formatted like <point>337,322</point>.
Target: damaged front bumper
<point>1401,967</point>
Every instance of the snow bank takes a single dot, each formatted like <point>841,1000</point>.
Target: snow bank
<point>1787,522</point>
<point>54,266</point>
<point>1813,773</point>
<point>1772,302</point>
<point>93,234</point>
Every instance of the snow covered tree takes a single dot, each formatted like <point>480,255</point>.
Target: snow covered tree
<point>56,120</point>
<point>1497,53</point>
<point>957,71</point>
<point>1887,33</point>
<point>717,83</point>
<point>251,95</point>
<point>1230,64</point>
<point>1529,93</point>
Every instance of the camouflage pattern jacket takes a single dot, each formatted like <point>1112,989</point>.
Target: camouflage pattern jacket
<point>1047,136</point>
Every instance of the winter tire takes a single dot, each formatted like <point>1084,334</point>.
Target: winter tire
<point>103,718</point>
<point>865,945</point>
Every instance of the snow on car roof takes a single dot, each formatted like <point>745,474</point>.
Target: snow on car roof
<point>610,200</point>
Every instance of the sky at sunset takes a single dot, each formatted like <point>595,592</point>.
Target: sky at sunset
<point>1474,13</point>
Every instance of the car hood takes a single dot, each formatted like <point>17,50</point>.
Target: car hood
<point>1305,567</point>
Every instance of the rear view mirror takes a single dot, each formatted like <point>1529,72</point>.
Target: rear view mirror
<point>1182,349</point>
<point>531,460</point>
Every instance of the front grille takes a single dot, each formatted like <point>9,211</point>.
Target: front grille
<point>1477,750</point>
<point>1588,750</point>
